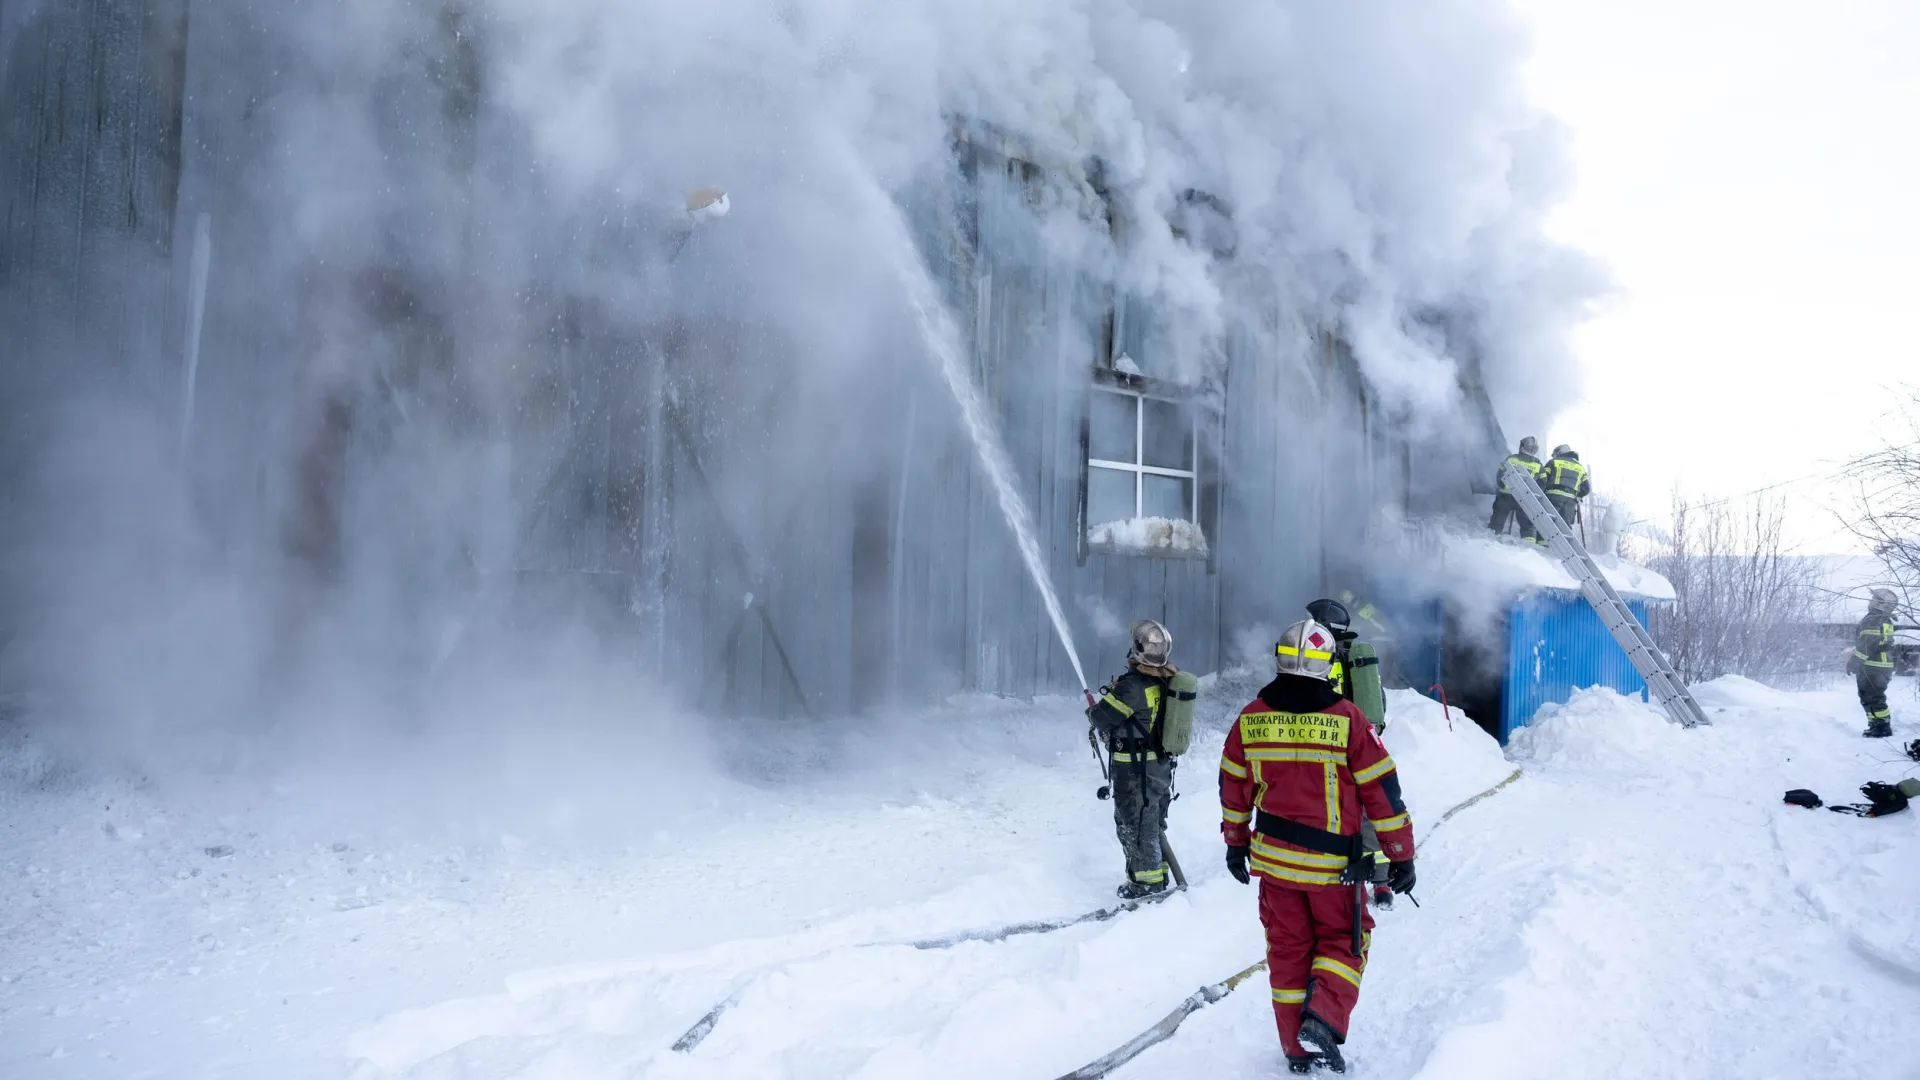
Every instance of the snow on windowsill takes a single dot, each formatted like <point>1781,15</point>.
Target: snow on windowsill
<point>1149,536</point>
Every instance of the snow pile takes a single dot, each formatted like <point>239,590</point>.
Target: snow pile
<point>1639,903</point>
<point>1443,758</point>
<point>1598,730</point>
<point>1506,568</point>
<point>1150,534</point>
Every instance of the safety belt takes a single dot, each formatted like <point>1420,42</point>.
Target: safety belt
<point>1287,830</point>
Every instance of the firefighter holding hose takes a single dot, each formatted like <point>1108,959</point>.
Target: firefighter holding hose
<point>1302,767</point>
<point>1146,719</point>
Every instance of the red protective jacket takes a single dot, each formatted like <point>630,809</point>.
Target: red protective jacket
<point>1303,753</point>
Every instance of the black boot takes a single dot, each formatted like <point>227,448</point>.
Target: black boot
<point>1301,1064</point>
<point>1140,890</point>
<point>1316,1035</point>
<point>1878,729</point>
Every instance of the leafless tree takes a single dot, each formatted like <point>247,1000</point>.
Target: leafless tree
<point>1887,506</point>
<point>1744,599</point>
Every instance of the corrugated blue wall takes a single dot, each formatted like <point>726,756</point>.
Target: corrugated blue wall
<point>1556,644</point>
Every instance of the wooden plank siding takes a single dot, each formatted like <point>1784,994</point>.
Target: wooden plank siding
<point>887,577</point>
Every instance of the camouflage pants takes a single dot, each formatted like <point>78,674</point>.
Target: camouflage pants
<point>1872,683</point>
<point>1142,792</point>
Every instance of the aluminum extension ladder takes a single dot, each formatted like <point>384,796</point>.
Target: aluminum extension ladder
<point>1619,619</point>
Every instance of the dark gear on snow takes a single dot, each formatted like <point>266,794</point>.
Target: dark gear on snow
<point>1237,863</point>
<point>1802,797</point>
<point>1882,799</point>
<point>1913,749</point>
<point>1872,664</point>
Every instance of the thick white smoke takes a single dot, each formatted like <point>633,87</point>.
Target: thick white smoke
<point>462,162</point>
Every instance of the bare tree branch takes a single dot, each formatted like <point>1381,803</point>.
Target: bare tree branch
<point>1887,506</point>
<point>1744,599</point>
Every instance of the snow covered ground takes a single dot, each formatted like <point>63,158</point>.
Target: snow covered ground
<point>1638,904</point>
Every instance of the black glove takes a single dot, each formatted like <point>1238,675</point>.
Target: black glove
<point>1237,864</point>
<point>1886,798</point>
<point>1400,876</point>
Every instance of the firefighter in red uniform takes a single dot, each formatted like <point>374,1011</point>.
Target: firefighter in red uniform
<point>1300,767</point>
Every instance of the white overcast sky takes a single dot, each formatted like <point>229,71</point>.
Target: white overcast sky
<point>1750,172</point>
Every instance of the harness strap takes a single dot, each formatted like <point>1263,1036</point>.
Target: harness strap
<point>1286,830</point>
<point>1366,661</point>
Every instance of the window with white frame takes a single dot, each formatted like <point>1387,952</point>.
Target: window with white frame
<point>1143,489</point>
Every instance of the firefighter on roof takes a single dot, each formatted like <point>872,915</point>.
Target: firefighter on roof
<point>1566,481</point>
<point>1506,509</point>
<point>1300,769</point>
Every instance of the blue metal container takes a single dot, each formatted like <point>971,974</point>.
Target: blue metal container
<point>1556,644</point>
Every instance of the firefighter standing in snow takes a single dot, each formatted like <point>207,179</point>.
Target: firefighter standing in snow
<point>1128,720</point>
<point>1300,767</point>
<point>1333,615</point>
<point>1872,663</point>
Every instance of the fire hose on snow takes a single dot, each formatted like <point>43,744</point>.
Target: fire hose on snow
<point>1210,994</point>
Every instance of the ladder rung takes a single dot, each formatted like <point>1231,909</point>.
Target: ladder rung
<point>1614,613</point>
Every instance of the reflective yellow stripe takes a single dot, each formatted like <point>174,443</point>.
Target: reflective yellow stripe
<point>1287,873</point>
<point>1233,768</point>
<point>1128,759</point>
<point>1151,877</point>
<point>1290,997</point>
<point>1123,707</point>
<point>1397,821</point>
<point>1335,967</point>
<point>1321,859</point>
<point>1382,767</point>
<point>1333,797</point>
<point>1293,753</point>
<point>1878,663</point>
<point>1311,654</point>
<point>1235,816</point>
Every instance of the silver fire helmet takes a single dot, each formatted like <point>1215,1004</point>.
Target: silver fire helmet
<point>1529,445</point>
<point>1152,644</point>
<point>1306,649</point>
<point>1882,600</point>
<point>1562,450</point>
